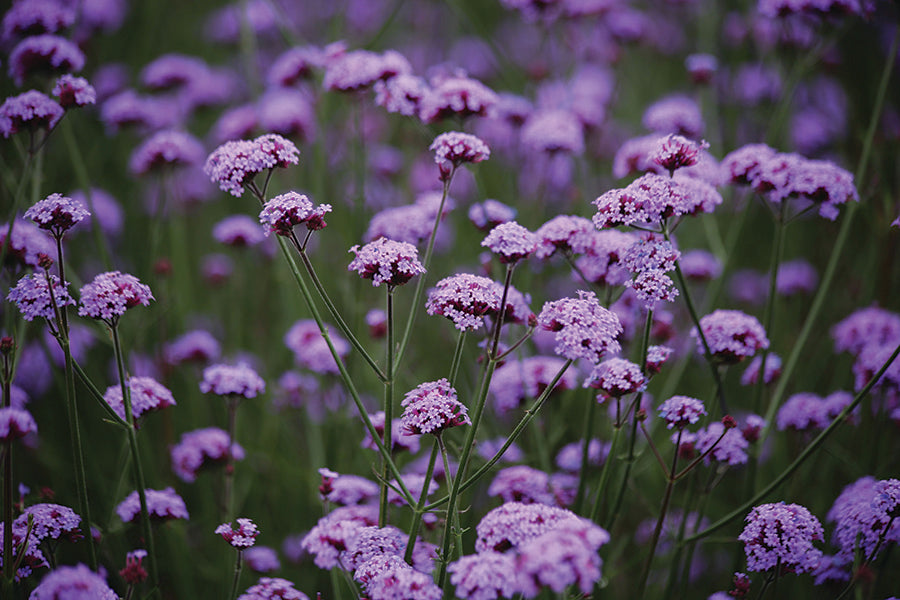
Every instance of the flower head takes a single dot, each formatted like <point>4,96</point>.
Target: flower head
<point>330,536</point>
<point>566,555</point>
<point>262,559</point>
<point>282,213</point>
<point>732,335</point>
<point>465,299</point>
<point>147,395</point>
<point>310,349</point>
<point>238,231</point>
<point>201,449</point>
<point>15,423</point>
<point>648,199</point>
<point>74,583</point>
<point>163,505</point>
<point>616,377</point>
<point>870,325</point>
<point>674,152</point>
<point>773,370</point>
<point>110,294</point>
<point>583,328</point>
<point>781,534</point>
<point>674,114</point>
<point>511,242</point>
<point>516,381</point>
<point>36,17</point>
<point>432,407</point>
<point>490,213</point>
<point>45,52</point>
<point>49,521</point>
<point>553,131</point>
<point>29,111</point>
<point>484,576</point>
<point>272,588</point>
<point>360,69</point>
<point>456,95</point>
<point>57,213</point>
<point>386,261</point>
<point>197,346</point>
<point>861,514</point>
<point>454,148</point>
<point>134,571</point>
<point>166,149</point>
<point>234,164</point>
<point>32,296</point>
<point>232,380</point>
<point>679,411</point>
<point>74,91</point>
<point>242,537</point>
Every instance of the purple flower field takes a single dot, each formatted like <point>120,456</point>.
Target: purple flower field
<point>460,299</point>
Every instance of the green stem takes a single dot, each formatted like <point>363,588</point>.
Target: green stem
<point>8,499</point>
<point>388,405</point>
<point>605,472</point>
<point>453,529</point>
<point>420,505</point>
<point>228,500</point>
<point>237,575</point>
<point>589,418</point>
<point>457,356</point>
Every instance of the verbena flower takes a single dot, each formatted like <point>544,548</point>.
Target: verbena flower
<point>43,53</point>
<point>369,542</point>
<point>294,65</point>
<point>49,521</point>
<point>569,456</point>
<point>73,582</point>
<point>31,295</point>
<point>674,152</point>
<point>656,356</point>
<point>432,407</point>
<point>197,346</point>
<point>29,111</point>
<point>773,370</point>
<point>110,294</point>
<point>649,199</point>
<point>681,411</point>
<point>565,233</point>
<point>616,377</point>
<point>517,381</point>
<point>563,556</point>
<point>402,94</point>
<point>284,212</point>
<point>818,8</point>
<point>456,95</point>
<point>484,576</point>
<point>163,505</point>
<point>386,261</point>
<point>238,231</point>
<point>701,67</point>
<point>796,277</point>
<point>287,112</point>
<point>201,449</point>
<point>674,114</point>
<point>781,535</point>
<point>32,558</point>
<point>732,335</point>
<point>15,423</point>
<point>134,571</point>
<point>490,213</point>
<point>57,214</point>
<point>329,537</point>
<point>512,524</point>
<point>146,393</point>
<point>232,380</point>
<point>511,242</point>
<point>360,69</point>
<point>700,265</point>
<point>861,514</point>
<point>553,131</point>
<point>653,286</point>
<point>234,164</point>
<point>871,325</point>
<point>166,149</point>
<point>311,350</point>
<point>583,328</point>
<point>453,149</point>
<point>74,91</point>
<point>272,588</point>
<point>242,537</point>
<point>465,299</point>
<point>521,483</point>
<point>731,448</point>
<point>33,18</point>
<point>346,490</point>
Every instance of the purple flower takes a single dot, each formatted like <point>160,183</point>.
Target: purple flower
<point>515,382</point>
<point>650,255</point>
<point>415,483</point>
<point>57,214</point>
<point>754,84</point>
<point>869,362</point>
<point>201,449</point>
<point>633,156</point>
<point>773,370</point>
<point>649,199</point>
<point>569,456</point>
<point>701,67</point>
<point>232,380</point>
<point>402,582</point>
<point>680,411</point>
<point>242,537</point>
<point>564,556</point>
<point>44,52</point>
<point>166,149</point>
<point>239,231</point>
<point>583,328</point>
<point>288,112</point>
<point>198,346</point>
<point>271,588</point>
<point>310,348</point>
<point>871,325</point>
<point>36,17</point>
<point>744,164</point>
<point>453,148</point>
<point>432,407</point>
<point>490,213</point>
<point>293,65</point>
<point>523,484</point>
<point>484,576</point>
<point>455,95</point>
<point>330,536</point>
<point>146,395</point>
<point>103,207</point>
<point>731,448</point>
<point>512,524</point>
<point>732,335</point>
<point>32,296</point>
<point>369,542</point>
<point>110,294</point>
<point>511,242</point>
<point>126,108</point>
<point>29,111</point>
<point>386,261</point>
<point>163,505</point>
<point>862,513</point>
<point>465,299</point>
<point>653,286</point>
<point>74,91</point>
<point>601,262</point>
<point>234,164</point>
<point>818,8</point>
<point>360,69</point>
<point>282,213</point>
<point>700,265</point>
<point>402,94</point>
<point>782,535</point>
<point>616,377</point>
<point>656,356</point>
<point>134,572</point>
<point>674,152</point>
<point>49,521</point>
<point>566,233</point>
<point>553,131</point>
<point>346,490</point>
<point>65,583</point>
<point>674,114</point>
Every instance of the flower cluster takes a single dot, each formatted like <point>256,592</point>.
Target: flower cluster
<point>583,328</point>
<point>284,212</point>
<point>511,242</point>
<point>432,407</point>
<point>110,294</point>
<point>681,411</point>
<point>732,336</point>
<point>454,148</point>
<point>242,537</point>
<point>386,261</point>
<point>32,296</point>
<point>234,164</point>
<point>57,214</point>
<point>163,505</point>
<point>146,395</point>
<point>781,535</point>
<point>203,448</point>
<point>28,112</point>
<point>465,299</point>
<point>232,380</point>
<point>616,377</point>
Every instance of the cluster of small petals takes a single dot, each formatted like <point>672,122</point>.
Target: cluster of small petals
<point>49,521</point>
<point>378,565</point>
<point>656,356</point>
<point>272,588</point>
<point>634,156</point>
<point>292,65</point>
<point>28,111</point>
<point>198,346</point>
<point>601,262</point>
<point>484,576</point>
<point>432,407</point>
<point>515,382</point>
<point>802,412</point>
<point>415,483</point>
<point>401,94</point>
<point>74,583</point>
<point>15,423</point>
<point>262,559</point>
<point>465,299</point>
<point>773,370</point>
<point>44,52</point>
<point>553,130</point>
<point>511,242</point>
<point>74,91</point>
<point>166,149</point>
<point>35,17</point>
<point>490,213</point>
<point>674,114</point>
<point>584,329</point>
<point>456,95</point>
<point>453,148</point>
<point>329,537</point>
<point>32,557</point>
<point>110,294</point>
<point>743,165</point>
<point>700,265</point>
<point>674,152</point>
<point>235,163</point>
<point>869,362</point>
<point>163,505</point>
<point>57,213</point>
<point>232,380</point>
<point>282,213</point>
<point>681,411</point>
<point>360,69</point>
<point>559,558</point>
<point>650,255</point>
<point>402,583</point>
<point>310,349</point>
<point>134,571</point>
<point>238,231</point>
<point>411,223</point>
<point>524,484</point>
<point>701,67</point>
<point>386,261</point>
<point>369,542</point>
<point>242,537</point>
<point>796,277</point>
<point>699,196</point>
<point>32,296</point>
<point>616,377</point>
<point>648,199</point>
<point>732,335</point>
<point>871,325</point>
<point>818,8</point>
<point>200,449</point>
<point>653,286</point>
<point>567,233</point>
<point>728,445</point>
<point>861,514</point>
<point>569,456</point>
<point>514,523</point>
<point>146,395</point>
<point>782,534</point>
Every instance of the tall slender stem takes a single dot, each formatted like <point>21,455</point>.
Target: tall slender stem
<point>419,510</point>
<point>589,417</point>
<point>228,502</point>
<point>388,404</point>
<point>457,357</point>
<point>8,500</point>
<point>769,313</point>
<point>238,563</point>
